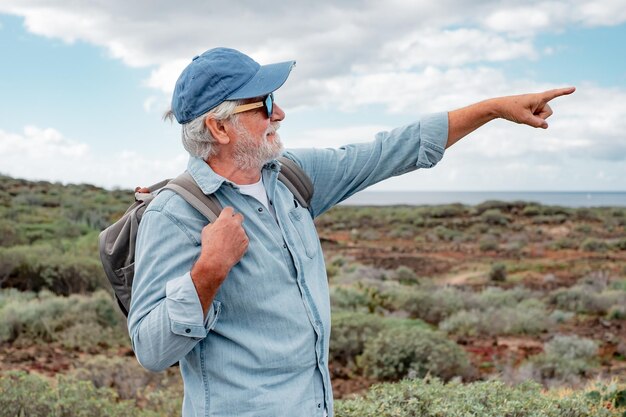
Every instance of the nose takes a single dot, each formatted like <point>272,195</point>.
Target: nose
<point>277,114</point>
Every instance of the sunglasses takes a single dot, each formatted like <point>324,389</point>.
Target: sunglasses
<point>268,103</point>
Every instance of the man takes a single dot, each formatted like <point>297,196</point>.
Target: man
<point>242,304</point>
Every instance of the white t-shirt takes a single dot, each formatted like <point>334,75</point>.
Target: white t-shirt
<point>257,190</point>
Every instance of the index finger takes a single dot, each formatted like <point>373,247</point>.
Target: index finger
<point>557,92</point>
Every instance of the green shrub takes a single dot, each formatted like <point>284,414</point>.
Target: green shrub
<point>351,332</point>
<point>550,219</point>
<point>44,266</point>
<point>620,244</point>
<point>559,316</point>
<point>594,245</point>
<point>494,217</point>
<point>531,210</point>
<point>564,243</point>
<point>488,243</point>
<point>429,304</point>
<point>399,352</point>
<point>586,299</point>
<point>403,231</point>
<point>432,398</point>
<point>617,312</point>
<point>29,395</point>
<point>498,272</point>
<point>405,275</point>
<point>347,298</point>
<point>445,234</point>
<point>77,322</point>
<point>494,297</point>
<point>565,360</point>
<point>127,378</point>
<point>528,317</point>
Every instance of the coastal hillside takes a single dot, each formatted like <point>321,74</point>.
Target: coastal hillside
<point>501,308</point>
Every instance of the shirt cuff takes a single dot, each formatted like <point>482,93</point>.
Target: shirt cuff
<point>433,139</point>
<point>185,311</point>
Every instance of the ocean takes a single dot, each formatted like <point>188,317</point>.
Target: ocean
<point>552,198</point>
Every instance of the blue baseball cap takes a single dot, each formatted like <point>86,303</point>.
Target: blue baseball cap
<point>222,74</point>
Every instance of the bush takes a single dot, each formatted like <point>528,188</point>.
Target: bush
<point>401,352</point>
<point>528,317</point>
<point>128,379</point>
<point>594,245</point>
<point>347,298</point>
<point>29,395</point>
<point>78,322</point>
<point>432,398</point>
<point>445,234</point>
<point>34,268</point>
<point>586,299</point>
<point>351,332</point>
<point>620,244</point>
<point>488,243</point>
<point>429,304</point>
<point>498,272</point>
<point>554,219</point>
<point>566,359</point>
<point>405,275</point>
<point>494,297</point>
<point>494,217</point>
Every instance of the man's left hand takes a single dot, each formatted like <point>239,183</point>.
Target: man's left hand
<point>529,109</point>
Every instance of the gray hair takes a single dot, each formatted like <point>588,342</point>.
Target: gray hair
<point>196,137</point>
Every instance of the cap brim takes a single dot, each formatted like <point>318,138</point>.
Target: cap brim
<point>269,78</point>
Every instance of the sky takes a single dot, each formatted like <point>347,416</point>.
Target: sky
<point>84,84</point>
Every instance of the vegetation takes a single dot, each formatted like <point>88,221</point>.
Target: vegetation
<point>433,398</point>
<point>76,322</point>
<point>22,394</point>
<point>500,291</point>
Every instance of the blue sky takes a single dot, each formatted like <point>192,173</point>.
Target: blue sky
<point>84,84</point>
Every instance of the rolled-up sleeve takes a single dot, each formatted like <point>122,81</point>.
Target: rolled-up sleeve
<point>185,311</point>
<point>339,173</point>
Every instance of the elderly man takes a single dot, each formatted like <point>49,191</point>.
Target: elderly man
<point>242,304</point>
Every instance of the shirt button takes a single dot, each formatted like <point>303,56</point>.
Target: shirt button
<point>187,330</point>
<point>319,405</point>
<point>285,245</point>
<point>260,209</point>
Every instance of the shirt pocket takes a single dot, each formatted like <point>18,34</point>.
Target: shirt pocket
<point>305,229</point>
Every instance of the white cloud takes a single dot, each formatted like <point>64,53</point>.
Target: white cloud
<point>452,48</point>
<point>330,40</point>
<point>46,154</point>
<point>407,57</point>
<point>586,136</point>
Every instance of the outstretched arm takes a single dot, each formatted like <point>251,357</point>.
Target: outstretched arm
<point>528,109</point>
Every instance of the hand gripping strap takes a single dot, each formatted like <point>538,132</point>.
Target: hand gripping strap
<point>186,187</point>
<point>296,180</point>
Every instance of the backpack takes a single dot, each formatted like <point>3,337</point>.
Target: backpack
<point>117,242</point>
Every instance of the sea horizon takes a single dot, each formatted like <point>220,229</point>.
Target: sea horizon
<point>572,199</point>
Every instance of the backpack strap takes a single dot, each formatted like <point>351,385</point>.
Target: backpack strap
<point>296,180</point>
<point>186,187</point>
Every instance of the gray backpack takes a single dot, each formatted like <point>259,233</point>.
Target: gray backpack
<point>117,242</point>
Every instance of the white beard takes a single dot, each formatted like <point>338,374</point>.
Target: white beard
<point>248,153</point>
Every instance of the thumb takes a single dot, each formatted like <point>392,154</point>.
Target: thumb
<point>227,212</point>
<point>536,121</point>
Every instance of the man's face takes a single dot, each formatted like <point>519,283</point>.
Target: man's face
<point>257,139</point>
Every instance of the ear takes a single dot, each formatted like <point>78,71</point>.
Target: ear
<point>218,130</point>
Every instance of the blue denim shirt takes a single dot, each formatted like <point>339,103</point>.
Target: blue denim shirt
<point>262,349</point>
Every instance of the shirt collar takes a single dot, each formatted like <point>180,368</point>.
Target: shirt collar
<point>209,181</point>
